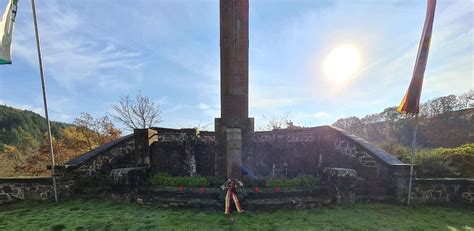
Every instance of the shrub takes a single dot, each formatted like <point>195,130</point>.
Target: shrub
<point>251,182</point>
<point>396,149</point>
<point>303,181</point>
<point>446,162</point>
<point>215,181</point>
<point>461,158</point>
<point>434,165</point>
<point>164,179</point>
<point>186,181</point>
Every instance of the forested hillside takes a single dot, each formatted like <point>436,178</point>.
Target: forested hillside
<point>443,122</point>
<point>23,144</point>
<point>445,137</point>
<point>25,129</point>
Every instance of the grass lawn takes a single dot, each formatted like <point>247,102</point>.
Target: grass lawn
<point>109,215</point>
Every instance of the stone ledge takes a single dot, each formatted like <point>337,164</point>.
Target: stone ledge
<point>371,149</point>
<point>97,151</point>
<point>442,179</point>
<point>26,179</point>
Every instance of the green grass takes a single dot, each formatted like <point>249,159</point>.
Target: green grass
<point>109,215</point>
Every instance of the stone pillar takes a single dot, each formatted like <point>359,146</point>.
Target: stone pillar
<point>401,176</point>
<point>234,44</point>
<point>234,152</point>
<point>143,140</point>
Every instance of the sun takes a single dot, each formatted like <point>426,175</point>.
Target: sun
<point>342,63</point>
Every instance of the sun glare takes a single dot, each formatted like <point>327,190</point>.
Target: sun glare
<point>342,63</point>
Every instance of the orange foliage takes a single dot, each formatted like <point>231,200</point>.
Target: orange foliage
<point>75,141</point>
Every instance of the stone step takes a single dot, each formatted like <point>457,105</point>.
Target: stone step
<point>265,193</point>
<point>176,202</point>
<point>366,158</point>
<point>368,172</point>
<point>370,191</point>
<point>212,198</point>
<point>251,193</point>
<point>154,191</point>
<point>92,190</point>
<point>287,203</point>
<point>371,163</point>
<point>247,204</point>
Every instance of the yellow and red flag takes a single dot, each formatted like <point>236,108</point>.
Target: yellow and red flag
<point>411,102</point>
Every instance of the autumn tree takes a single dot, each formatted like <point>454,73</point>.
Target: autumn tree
<point>96,131</point>
<point>87,134</point>
<point>10,158</point>
<point>140,112</point>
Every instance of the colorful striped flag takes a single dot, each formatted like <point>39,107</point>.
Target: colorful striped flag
<point>411,101</point>
<point>6,31</point>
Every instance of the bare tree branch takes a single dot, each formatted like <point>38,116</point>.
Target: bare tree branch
<point>138,113</point>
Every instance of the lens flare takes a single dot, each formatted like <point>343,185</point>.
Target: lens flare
<point>342,63</point>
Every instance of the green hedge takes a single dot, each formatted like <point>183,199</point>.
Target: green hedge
<point>215,181</point>
<point>303,181</point>
<point>165,180</point>
<point>446,162</point>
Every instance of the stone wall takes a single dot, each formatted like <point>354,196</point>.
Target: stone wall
<point>183,152</point>
<point>32,188</point>
<point>117,169</point>
<point>443,190</point>
<point>98,171</point>
<point>290,152</point>
<point>285,153</point>
<point>117,156</point>
<point>113,165</point>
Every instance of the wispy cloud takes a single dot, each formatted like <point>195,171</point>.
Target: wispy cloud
<point>321,115</point>
<point>95,51</point>
<point>73,55</point>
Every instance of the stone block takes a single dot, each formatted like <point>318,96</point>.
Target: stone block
<point>5,198</point>
<point>234,152</point>
<point>7,189</point>
<point>144,138</point>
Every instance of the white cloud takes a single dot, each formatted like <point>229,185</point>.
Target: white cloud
<point>73,55</point>
<point>321,115</point>
<point>212,111</point>
<point>204,106</point>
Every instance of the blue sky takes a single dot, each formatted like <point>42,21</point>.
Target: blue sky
<point>96,50</point>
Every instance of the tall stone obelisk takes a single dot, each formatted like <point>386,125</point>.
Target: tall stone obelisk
<point>234,129</point>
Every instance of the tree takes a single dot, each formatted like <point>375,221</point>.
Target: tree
<point>442,105</point>
<point>10,159</point>
<point>466,100</point>
<point>95,131</point>
<point>279,122</point>
<point>75,141</point>
<point>138,113</point>
<point>391,114</point>
<point>348,123</point>
<point>372,118</point>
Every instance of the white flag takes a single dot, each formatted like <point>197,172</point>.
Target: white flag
<point>6,31</point>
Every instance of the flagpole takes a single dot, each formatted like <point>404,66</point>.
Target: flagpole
<point>40,61</point>
<point>413,151</point>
